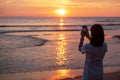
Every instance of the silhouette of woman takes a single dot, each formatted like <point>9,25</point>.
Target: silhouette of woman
<point>95,51</point>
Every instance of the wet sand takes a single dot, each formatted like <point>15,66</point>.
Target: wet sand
<point>111,73</point>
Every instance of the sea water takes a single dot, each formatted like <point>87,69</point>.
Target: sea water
<point>49,43</point>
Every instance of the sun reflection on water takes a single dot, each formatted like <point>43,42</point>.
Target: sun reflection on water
<point>61,57</point>
<point>61,23</point>
<point>60,74</point>
<point>64,73</point>
<point>61,51</point>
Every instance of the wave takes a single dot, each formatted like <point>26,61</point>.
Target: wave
<point>13,41</point>
<point>108,21</point>
<point>51,28</point>
<point>1,32</point>
<point>38,25</point>
<point>103,24</point>
<point>116,36</point>
<point>55,30</point>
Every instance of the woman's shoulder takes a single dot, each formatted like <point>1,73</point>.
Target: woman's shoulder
<point>87,45</point>
<point>104,44</point>
<point>85,48</point>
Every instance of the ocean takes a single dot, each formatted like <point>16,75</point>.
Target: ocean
<point>51,43</point>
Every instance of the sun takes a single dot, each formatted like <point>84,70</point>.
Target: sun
<point>61,12</point>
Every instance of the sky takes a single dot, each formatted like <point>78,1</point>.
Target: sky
<point>47,8</point>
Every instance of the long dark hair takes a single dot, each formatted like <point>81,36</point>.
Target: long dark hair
<point>97,35</point>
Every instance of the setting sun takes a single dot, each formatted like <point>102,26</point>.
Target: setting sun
<point>61,12</point>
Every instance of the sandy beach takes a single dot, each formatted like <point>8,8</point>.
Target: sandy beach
<point>111,73</point>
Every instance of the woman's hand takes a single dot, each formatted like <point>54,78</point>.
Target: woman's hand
<point>82,34</point>
<point>81,41</point>
<point>87,34</point>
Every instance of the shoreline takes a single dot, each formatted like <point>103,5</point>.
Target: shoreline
<point>110,73</point>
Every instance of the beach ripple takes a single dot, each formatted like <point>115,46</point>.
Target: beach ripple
<point>13,41</point>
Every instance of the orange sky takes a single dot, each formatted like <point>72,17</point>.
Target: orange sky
<point>46,8</point>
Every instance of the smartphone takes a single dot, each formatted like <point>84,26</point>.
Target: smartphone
<point>84,28</point>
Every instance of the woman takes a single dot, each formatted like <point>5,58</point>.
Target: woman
<point>95,51</point>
